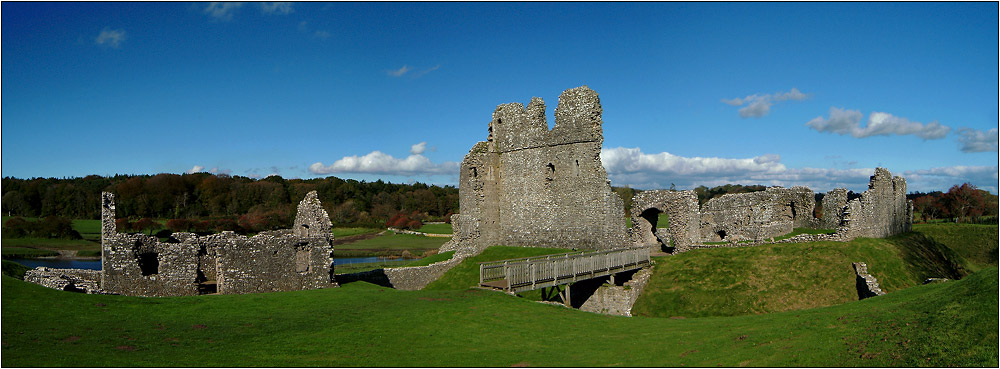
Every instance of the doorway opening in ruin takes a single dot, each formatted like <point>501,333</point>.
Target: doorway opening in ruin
<point>302,259</point>
<point>149,263</point>
<point>722,234</point>
<point>658,219</point>
<point>205,286</point>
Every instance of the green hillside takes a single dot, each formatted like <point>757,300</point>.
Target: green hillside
<point>946,324</point>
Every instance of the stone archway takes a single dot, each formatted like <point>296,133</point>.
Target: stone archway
<point>681,208</point>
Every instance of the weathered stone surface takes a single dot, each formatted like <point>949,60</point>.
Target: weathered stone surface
<point>74,280</point>
<point>618,300</point>
<point>528,186</point>
<point>881,211</point>
<point>866,283</point>
<point>756,215</point>
<point>291,259</point>
<point>681,208</point>
<point>833,208</point>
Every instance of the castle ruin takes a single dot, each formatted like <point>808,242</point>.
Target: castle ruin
<point>530,186</point>
<point>770,213</point>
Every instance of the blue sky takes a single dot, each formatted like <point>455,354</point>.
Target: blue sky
<point>693,94</point>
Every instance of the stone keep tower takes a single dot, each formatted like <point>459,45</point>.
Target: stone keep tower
<point>529,186</point>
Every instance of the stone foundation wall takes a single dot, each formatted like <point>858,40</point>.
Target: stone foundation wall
<point>757,215</point>
<point>74,280</point>
<point>618,300</point>
<point>866,283</point>
<point>406,278</point>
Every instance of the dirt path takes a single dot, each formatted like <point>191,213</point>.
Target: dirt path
<point>356,238</point>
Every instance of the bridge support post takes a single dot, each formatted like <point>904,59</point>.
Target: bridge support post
<point>566,297</point>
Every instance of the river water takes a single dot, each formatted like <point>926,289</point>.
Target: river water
<point>96,264</point>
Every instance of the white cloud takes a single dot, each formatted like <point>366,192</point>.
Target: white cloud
<point>110,37</point>
<point>321,34</point>
<point>195,169</point>
<point>942,178</point>
<point>760,105</point>
<point>377,162</point>
<point>222,11</point>
<point>974,140</point>
<point>418,149</point>
<point>277,7</point>
<point>630,166</point>
<point>398,72</point>
<point>845,122</point>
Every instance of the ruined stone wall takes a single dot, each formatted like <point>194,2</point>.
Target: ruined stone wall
<point>618,300</point>
<point>292,259</point>
<point>866,283</point>
<point>756,215</point>
<point>681,208</point>
<point>881,211</point>
<point>833,208</point>
<point>529,186</point>
<point>74,280</point>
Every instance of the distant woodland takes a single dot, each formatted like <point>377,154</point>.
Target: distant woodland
<point>270,203</point>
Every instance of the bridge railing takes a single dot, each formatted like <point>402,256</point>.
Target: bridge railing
<point>550,270</point>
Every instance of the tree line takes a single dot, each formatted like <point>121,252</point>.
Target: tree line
<point>266,203</point>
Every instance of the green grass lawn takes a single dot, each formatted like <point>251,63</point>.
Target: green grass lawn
<point>90,229</point>
<point>359,324</point>
<point>361,267</point>
<point>393,241</point>
<point>339,232</point>
<point>444,228</point>
<point>976,243</point>
<point>26,252</point>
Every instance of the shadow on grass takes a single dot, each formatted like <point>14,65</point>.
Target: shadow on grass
<point>928,258</point>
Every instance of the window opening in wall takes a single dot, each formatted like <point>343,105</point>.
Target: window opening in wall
<point>302,260</point>
<point>550,172</point>
<point>149,263</point>
<point>473,172</point>
<point>576,169</point>
<point>722,234</point>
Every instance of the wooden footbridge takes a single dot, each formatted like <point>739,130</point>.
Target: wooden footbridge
<point>525,274</point>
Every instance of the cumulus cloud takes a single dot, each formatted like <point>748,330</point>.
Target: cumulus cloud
<point>974,140</point>
<point>942,178</point>
<point>110,37</point>
<point>760,105</point>
<point>632,167</point>
<point>418,149</point>
<point>195,169</point>
<point>277,7</point>
<point>398,72</point>
<point>377,162</point>
<point>844,122</point>
<point>222,11</point>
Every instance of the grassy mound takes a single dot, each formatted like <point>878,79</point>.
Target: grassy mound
<point>767,279</point>
<point>945,324</point>
<point>976,243</point>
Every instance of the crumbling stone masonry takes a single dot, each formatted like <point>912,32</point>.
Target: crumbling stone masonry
<point>757,215</point>
<point>681,208</point>
<point>529,186</point>
<point>618,300</point>
<point>881,211</point>
<point>866,283</point>
<point>833,208</point>
<point>226,263</point>
<point>74,280</point>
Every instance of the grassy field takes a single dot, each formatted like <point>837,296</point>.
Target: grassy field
<point>26,252</point>
<point>359,324</point>
<point>393,241</point>
<point>975,243</point>
<point>361,267</point>
<point>340,232</point>
<point>436,228</point>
